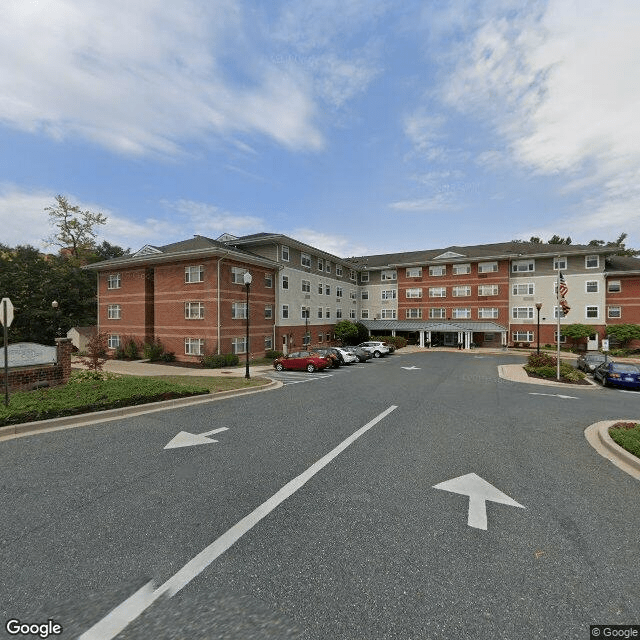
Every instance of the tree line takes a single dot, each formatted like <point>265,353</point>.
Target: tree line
<point>33,280</point>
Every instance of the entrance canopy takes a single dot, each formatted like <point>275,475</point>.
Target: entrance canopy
<point>464,329</point>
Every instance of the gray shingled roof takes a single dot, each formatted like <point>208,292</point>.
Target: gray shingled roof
<point>622,264</point>
<point>432,325</point>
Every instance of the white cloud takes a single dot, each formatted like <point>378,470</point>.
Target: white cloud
<point>438,202</point>
<point>334,244</point>
<point>22,216</point>
<point>143,77</point>
<point>560,83</point>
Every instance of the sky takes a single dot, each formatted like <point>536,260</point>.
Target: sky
<point>356,126</point>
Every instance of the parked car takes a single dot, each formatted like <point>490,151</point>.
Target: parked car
<point>362,354</point>
<point>331,354</point>
<point>589,361</point>
<point>376,349</point>
<point>346,356</point>
<point>619,374</point>
<point>301,360</point>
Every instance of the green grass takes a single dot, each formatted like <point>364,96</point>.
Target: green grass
<point>627,435</point>
<point>85,395</point>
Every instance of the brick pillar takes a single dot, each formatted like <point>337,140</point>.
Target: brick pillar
<point>64,346</point>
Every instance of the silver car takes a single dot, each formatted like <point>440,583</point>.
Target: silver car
<point>376,349</point>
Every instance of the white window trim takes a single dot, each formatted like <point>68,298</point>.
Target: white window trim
<point>455,292</point>
<point>557,260</point>
<point>531,288</point>
<point>192,268</point>
<point>615,306</point>
<point>618,290</point>
<point>114,312</point>
<point>304,259</point>
<point>487,267</point>
<point>461,269</point>
<point>592,306</point>
<point>586,260</point>
<point>114,281</point>
<point>286,255</point>
<point>442,292</point>
<point>586,286</point>
<point>438,271</point>
<point>189,308</point>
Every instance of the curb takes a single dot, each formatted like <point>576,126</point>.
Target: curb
<point>516,373</point>
<point>55,424</point>
<point>598,437</point>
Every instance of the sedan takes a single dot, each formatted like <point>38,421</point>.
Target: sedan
<point>588,362</point>
<point>362,354</point>
<point>346,356</point>
<point>300,361</point>
<point>618,374</point>
<point>331,354</point>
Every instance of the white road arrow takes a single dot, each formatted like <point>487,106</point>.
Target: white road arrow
<point>554,395</point>
<point>411,368</point>
<point>479,491</point>
<point>186,439</point>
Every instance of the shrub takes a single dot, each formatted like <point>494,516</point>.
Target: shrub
<point>96,352</point>
<point>128,349</point>
<point>271,354</point>
<point>168,356</point>
<point>536,360</point>
<point>153,351</point>
<point>219,360</point>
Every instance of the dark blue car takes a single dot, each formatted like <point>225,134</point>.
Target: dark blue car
<point>618,374</point>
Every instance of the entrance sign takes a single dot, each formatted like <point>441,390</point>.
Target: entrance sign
<point>26,354</point>
<point>6,312</point>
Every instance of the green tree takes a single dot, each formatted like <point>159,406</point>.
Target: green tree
<point>363,333</point>
<point>619,243</point>
<point>556,239</point>
<point>345,331</point>
<point>74,228</point>
<point>624,333</point>
<point>576,332</point>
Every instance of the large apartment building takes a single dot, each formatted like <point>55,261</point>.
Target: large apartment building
<point>191,295</point>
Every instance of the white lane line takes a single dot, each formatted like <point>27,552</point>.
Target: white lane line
<point>126,612</point>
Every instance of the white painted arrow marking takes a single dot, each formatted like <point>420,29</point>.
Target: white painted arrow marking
<point>555,395</point>
<point>479,491</point>
<point>186,439</point>
<point>411,368</point>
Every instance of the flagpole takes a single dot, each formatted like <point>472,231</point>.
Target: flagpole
<point>558,327</point>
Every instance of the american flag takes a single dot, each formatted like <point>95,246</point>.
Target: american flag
<point>563,289</point>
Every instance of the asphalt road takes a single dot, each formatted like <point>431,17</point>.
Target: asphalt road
<point>360,546</point>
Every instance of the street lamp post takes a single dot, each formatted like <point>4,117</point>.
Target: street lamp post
<point>538,307</point>
<point>247,283</point>
<point>56,312</point>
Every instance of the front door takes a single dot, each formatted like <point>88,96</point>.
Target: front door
<point>592,342</point>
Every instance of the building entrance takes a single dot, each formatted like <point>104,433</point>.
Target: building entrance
<point>444,338</point>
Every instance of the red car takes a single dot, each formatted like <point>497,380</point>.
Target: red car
<point>301,360</point>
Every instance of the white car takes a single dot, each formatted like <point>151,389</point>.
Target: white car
<point>376,349</point>
<point>347,356</point>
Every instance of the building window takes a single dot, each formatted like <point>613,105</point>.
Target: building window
<point>193,346</point>
<point>339,270</point>
<point>523,265</point>
<point>237,275</point>
<point>562,338</point>
<point>555,313</point>
<point>487,267</point>
<point>285,312</point>
<point>327,290</point>
<point>389,294</point>
<point>523,289</point>
<point>522,336</point>
<point>414,314</point>
<point>320,264</point>
<point>239,345</point>
<point>461,314</point>
<point>114,281</point>
<point>238,311</point>
<point>614,312</point>
<point>364,314</point>
<point>285,253</point>
<point>320,288</point>
<point>461,269</point>
<point>113,341</point>
<point>305,260</point>
<point>194,310</point>
<point>352,314</point>
<point>484,313</point>
<point>327,313</point>
<point>388,274</point>
<point>461,292</point>
<point>320,313</point>
<point>388,314</point>
<point>365,294</point>
<point>437,292</point>
<point>364,277</point>
<point>306,286</point>
<point>338,313</point>
<point>305,312</point>
<point>352,274</point>
<point>440,270</point>
<point>522,313</point>
<point>327,267</point>
<point>194,274</point>
<point>592,286</point>
<point>339,292</point>
<point>414,272</point>
<point>268,343</point>
<point>437,313</point>
<point>592,312</point>
<point>268,312</point>
<point>268,280</point>
<point>285,282</point>
<point>592,262</point>
<point>614,286</point>
<point>320,337</point>
<point>413,293</point>
<point>352,294</point>
<point>114,311</point>
<point>559,263</point>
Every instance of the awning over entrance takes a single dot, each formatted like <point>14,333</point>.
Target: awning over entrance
<point>455,331</point>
